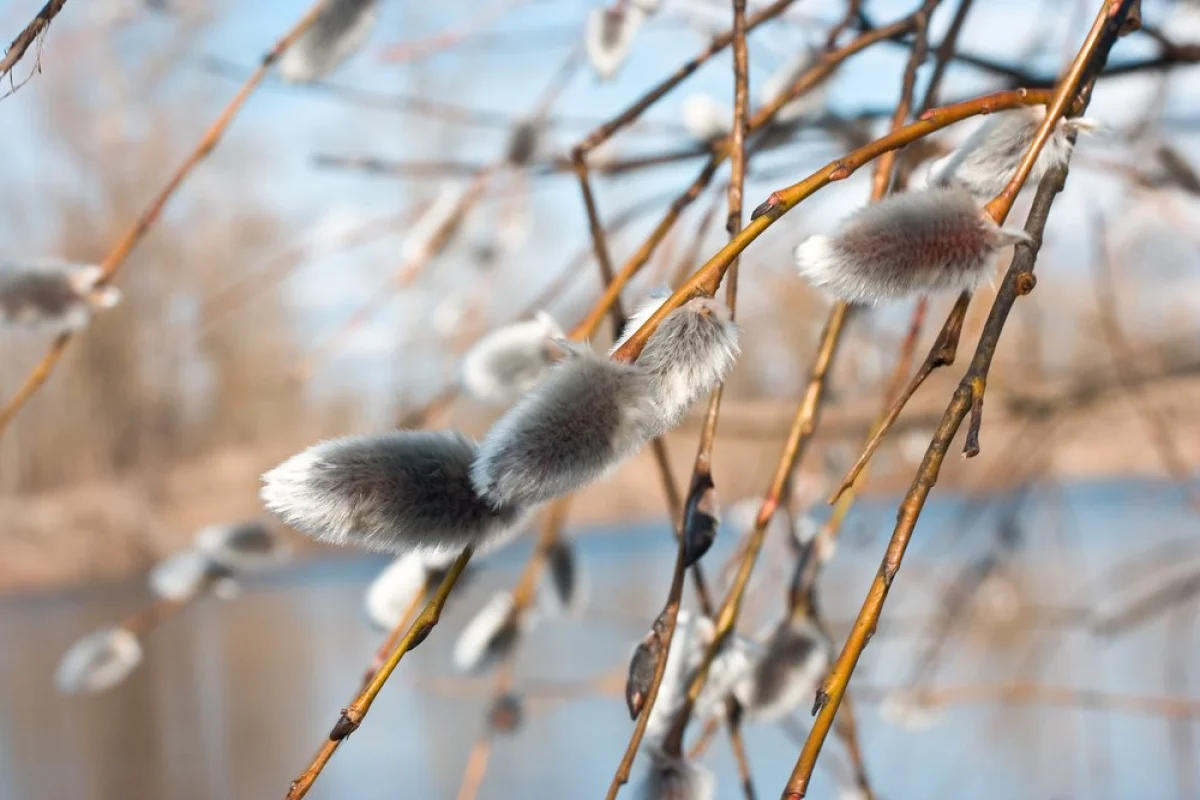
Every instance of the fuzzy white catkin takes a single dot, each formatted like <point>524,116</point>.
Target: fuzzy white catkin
<point>509,361</point>
<point>98,661</point>
<point>574,427</point>
<point>691,352</point>
<point>52,296</point>
<point>673,778</point>
<point>338,32</point>
<point>705,118</point>
<point>608,37</point>
<point>393,492</point>
<point>933,241</point>
<point>644,310</point>
<point>985,162</point>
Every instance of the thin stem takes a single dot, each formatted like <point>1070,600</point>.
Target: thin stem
<point>352,716</point>
<point>523,596</point>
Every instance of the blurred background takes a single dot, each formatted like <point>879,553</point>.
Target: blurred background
<point>292,291</point>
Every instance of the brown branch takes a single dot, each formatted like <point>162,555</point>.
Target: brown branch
<point>36,27</point>
<point>783,200</point>
<point>352,716</point>
<point>121,250</point>
<point>967,398</point>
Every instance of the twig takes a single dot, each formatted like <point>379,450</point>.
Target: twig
<point>36,27</point>
<point>969,395</point>
<point>120,252</point>
<point>352,716</point>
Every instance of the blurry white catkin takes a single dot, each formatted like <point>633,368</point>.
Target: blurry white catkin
<point>785,673</point>
<point>490,634</point>
<point>394,590</point>
<point>338,32</point>
<point>938,240</point>
<point>987,160</point>
<point>183,575</point>
<point>98,661</point>
<point>243,546</point>
<point>393,492</point>
<point>693,634</point>
<point>608,37</point>
<point>509,361</point>
<point>52,296</point>
<point>673,778</point>
<point>705,118</point>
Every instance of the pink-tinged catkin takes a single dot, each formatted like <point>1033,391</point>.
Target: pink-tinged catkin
<point>933,241</point>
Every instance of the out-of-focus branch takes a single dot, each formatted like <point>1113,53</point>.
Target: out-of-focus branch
<point>36,27</point>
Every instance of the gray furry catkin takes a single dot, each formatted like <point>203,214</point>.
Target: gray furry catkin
<point>340,29</point>
<point>589,413</point>
<point>987,160</point>
<point>675,778</point>
<point>693,349</point>
<point>938,240</point>
<point>393,492</point>
<point>585,417</point>
<point>53,296</point>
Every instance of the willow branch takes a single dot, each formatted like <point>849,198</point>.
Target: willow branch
<point>352,716</point>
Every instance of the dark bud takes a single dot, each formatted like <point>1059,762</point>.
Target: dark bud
<point>641,667</point>
<point>506,714</point>
<point>522,144</point>
<point>700,520</point>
